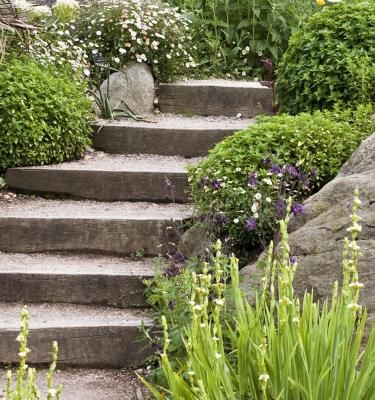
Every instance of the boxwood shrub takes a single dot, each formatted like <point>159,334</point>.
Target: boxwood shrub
<point>331,58</point>
<point>44,115</point>
<point>242,187</point>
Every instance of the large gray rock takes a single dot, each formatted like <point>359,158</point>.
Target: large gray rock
<point>317,237</point>
<point>194,241</point>
<point>134,86</point>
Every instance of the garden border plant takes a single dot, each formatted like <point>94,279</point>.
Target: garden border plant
<point>280,347</point>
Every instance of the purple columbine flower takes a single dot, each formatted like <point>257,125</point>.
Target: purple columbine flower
<point>220,219</point>
<point>215,184</point>
<point>267,161</point>
<point>252,180</point>
<point>250,224</point>
<point>172,270</point>
<point>202,183</point>
<point>280,208</point>
<point>293,259</point>
<point>292,171</point>
<point>275,169</point>
<point>297,209</point>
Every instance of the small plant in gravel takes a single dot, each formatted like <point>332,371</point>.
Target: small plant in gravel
<point>240,190</point>
<point>25,387</point>
<point>279,348</point>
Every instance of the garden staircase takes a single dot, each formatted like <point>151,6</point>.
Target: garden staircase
<point>66,251</point>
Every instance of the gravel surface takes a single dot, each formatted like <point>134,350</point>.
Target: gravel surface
<point>72,264</point>
<point>217,82</point>
<point>91,384</point>
<point>99,161</point>
<point>69,315</point>
<point>171,121</point>
<point>87,209</point>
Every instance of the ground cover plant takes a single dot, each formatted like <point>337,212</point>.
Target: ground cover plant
<point>25,387</point>
<point>279,348</point>
<point>240,189</point>
<point>330,59</point>
<point>242,37</point>
<point>44,114</point>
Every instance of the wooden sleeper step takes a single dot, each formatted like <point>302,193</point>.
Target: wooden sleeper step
<point>36,225</point>
<point>88,337</point>
<point>73,278</point>
<point>216,97</point>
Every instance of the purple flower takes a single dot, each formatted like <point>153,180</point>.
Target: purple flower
<point>275,169</point>
<point>172,271</point>
<point>220,219</point>
<point>250,224</point>
<point>292,171</point>
<point>280,208</point>
<point>267,161</point>
<point>202,183</point>
<point>252,180</point>
<point>293,259</point>
<point>297,209</point>
<point>215,184</point>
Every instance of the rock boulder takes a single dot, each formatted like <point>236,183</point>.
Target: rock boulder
<point>316,238</point>
<point>134,85</point>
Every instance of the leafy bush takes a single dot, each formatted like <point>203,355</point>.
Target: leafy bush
<point>331,58</point>
<point>280,348</point>
<point>236,37</point>
<point>44,115</point>
<point>242,186</point>
<point>26,387</point>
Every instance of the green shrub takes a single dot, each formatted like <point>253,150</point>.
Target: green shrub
<point>44,115</point>
<point>281,347</point>
<point>235,37</point>
<point>242,186</point>
<point>331,58</point>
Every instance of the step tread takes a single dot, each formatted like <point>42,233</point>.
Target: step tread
<point>44,316</point>
<point>99,161</point>
<point>180,122</point>
<point>73,264</point>
<point>217,83</point>
<point>91,384</point>
<point>31,208</point>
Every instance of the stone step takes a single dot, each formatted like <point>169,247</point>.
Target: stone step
<point>107,177</point>
<point>215,97</point>
<point>88,337</point>
<point>70,278</point>
<point>34,225</point>
<point>166,135</point>
<point>90,384</point>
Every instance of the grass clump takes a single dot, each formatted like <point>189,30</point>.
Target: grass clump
<point>281,347</point>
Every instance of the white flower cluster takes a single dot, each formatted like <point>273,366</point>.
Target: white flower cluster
<point>139,31</point>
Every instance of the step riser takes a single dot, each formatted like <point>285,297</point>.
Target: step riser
<point>107,236</point>
<point>166,142</point>
<point>87,347</point>
<point>100,185</point>
<point>101,290</point>
<point>215,100</point>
